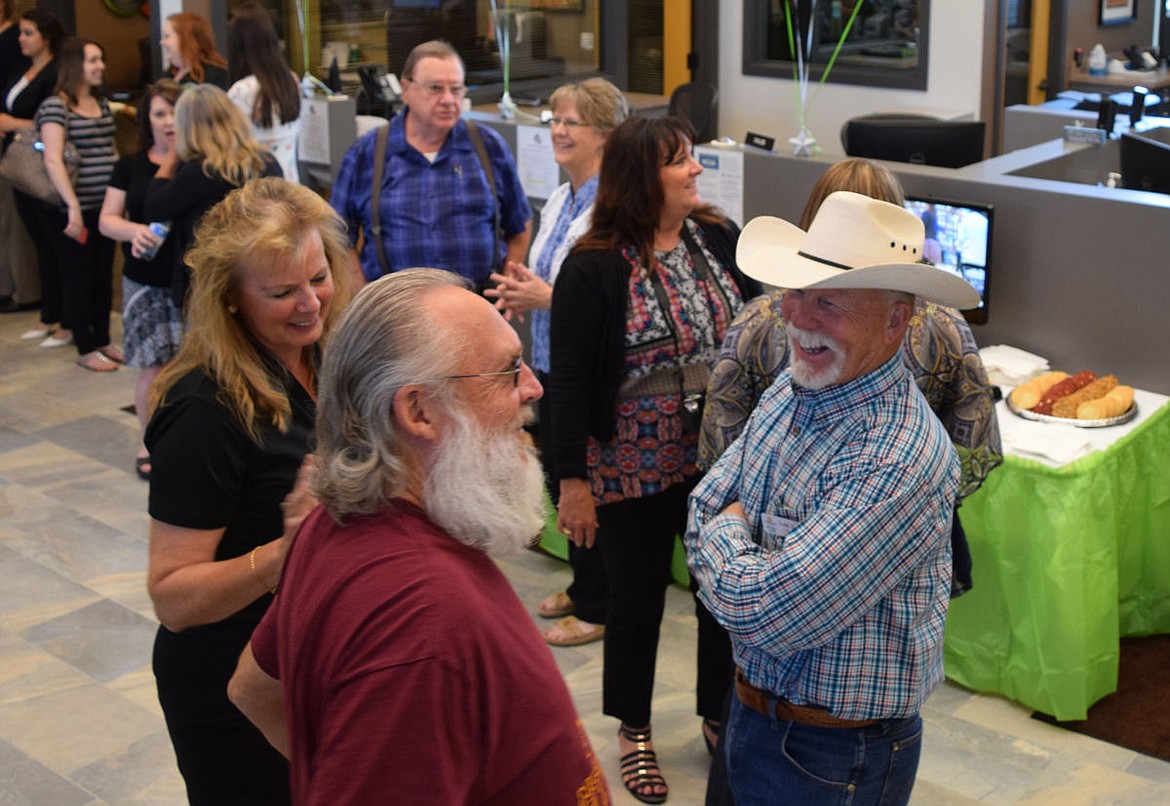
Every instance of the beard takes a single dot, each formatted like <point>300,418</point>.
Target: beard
<point>486,488</point>
<point>802,373</point>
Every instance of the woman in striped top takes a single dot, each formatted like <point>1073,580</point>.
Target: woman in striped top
<point>84,257</point>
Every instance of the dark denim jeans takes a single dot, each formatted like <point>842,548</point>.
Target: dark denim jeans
<point>771,761</point>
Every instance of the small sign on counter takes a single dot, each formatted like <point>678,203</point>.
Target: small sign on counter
<point>721,182</point>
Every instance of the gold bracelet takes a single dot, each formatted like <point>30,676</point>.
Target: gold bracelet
<point>255,573</point>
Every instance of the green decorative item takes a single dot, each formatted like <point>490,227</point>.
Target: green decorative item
<point>503,24</point>
<point>804,144</point>
<point>310,84</point>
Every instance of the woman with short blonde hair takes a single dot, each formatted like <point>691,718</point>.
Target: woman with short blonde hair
<point>584,113</point>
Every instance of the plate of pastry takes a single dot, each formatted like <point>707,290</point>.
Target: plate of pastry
<point>1083,400</point>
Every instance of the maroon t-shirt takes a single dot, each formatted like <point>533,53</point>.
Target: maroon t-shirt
<point>411,671</point>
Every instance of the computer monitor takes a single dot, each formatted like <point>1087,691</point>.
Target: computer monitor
<point>958,239</point>
<point>1145,161</point>
<point>919,140</point>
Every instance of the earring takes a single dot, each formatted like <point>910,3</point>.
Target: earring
<point>232,309</point>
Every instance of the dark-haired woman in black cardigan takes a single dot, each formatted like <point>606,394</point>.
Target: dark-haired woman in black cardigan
<point>639,311</point>
<point>24,84</point>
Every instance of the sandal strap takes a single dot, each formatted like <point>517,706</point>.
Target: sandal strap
<point>639,758</point>
<point>638,735</point>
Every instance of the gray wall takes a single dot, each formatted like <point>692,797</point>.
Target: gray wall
<point>1078,272</point>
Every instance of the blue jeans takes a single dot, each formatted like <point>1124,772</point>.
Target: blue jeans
<point>770,761</point>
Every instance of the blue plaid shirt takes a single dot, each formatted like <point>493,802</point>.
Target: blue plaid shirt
<point>835,590</point>
<point>436,214</point>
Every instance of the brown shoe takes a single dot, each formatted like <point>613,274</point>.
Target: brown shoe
<point>571,631</point>
<point>555,606</point>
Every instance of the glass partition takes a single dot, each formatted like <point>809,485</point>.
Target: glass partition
<point>551,40</point>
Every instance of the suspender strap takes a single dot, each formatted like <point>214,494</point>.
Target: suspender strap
<point>486,164</point>
<point>380,141</point>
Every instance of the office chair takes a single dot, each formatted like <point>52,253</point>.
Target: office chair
<point>697,102</point>
<point>913,138</point>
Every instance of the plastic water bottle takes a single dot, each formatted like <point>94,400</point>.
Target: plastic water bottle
<point>159,229</point>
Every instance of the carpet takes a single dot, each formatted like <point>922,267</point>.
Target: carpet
<point>1135,716</point>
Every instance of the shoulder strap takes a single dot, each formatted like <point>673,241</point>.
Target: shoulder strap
<point>486,164</point>
<point>380,140</point>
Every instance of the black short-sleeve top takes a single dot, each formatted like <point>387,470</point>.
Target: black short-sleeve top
<point>132,175</point>
<point>208,473</point>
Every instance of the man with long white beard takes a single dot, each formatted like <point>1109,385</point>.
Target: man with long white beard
<point>821,538</point>
<point>396,663</point>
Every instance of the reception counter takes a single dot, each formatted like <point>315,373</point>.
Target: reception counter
<point>1067,558</point>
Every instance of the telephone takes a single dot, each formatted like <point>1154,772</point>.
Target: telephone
<point>390,82</point>
<point>382,90</point>
<point>378,84</point>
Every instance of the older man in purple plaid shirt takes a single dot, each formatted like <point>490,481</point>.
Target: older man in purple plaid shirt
<point>437,207</point>
<point>821,539</point>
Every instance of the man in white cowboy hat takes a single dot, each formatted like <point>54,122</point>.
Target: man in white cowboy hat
<point>821,538</point>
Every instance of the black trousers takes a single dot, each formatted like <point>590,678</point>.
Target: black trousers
<point>32,214</point>
<point>589,589</point>
<point>224,759</point>
<point>87,280</point>
<point>637,541</point>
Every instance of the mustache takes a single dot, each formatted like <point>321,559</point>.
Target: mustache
<point>809,338</point>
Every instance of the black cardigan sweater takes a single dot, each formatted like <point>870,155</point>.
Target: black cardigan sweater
<point>587,344</point>
<point>25,105</point>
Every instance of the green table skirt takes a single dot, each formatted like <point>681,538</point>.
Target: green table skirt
<point>1066,560</point>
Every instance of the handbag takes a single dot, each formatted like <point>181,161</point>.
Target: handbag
<point>23,165</point>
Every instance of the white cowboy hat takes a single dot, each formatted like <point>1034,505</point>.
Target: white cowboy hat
<point>854,242</point>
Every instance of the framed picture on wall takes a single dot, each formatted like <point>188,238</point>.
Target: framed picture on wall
<point>1117,12</point>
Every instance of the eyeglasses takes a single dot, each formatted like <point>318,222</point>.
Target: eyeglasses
<point>437,90</point>
<point>568,123</point>
<point>514,372</point>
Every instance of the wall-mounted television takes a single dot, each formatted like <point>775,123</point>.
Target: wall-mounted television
<point>958,239</point>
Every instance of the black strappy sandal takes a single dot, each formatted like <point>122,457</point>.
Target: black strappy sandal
<point>639,768</point>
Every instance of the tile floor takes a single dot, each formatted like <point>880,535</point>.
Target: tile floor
<point>79,723</point>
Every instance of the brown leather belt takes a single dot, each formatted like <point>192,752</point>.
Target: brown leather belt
<point>770,705</point>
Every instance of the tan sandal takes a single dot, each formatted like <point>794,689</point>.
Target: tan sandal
<point>96,362</point>
<point>555,606</point>
<point>641,774</point>
<point>571,631</point>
